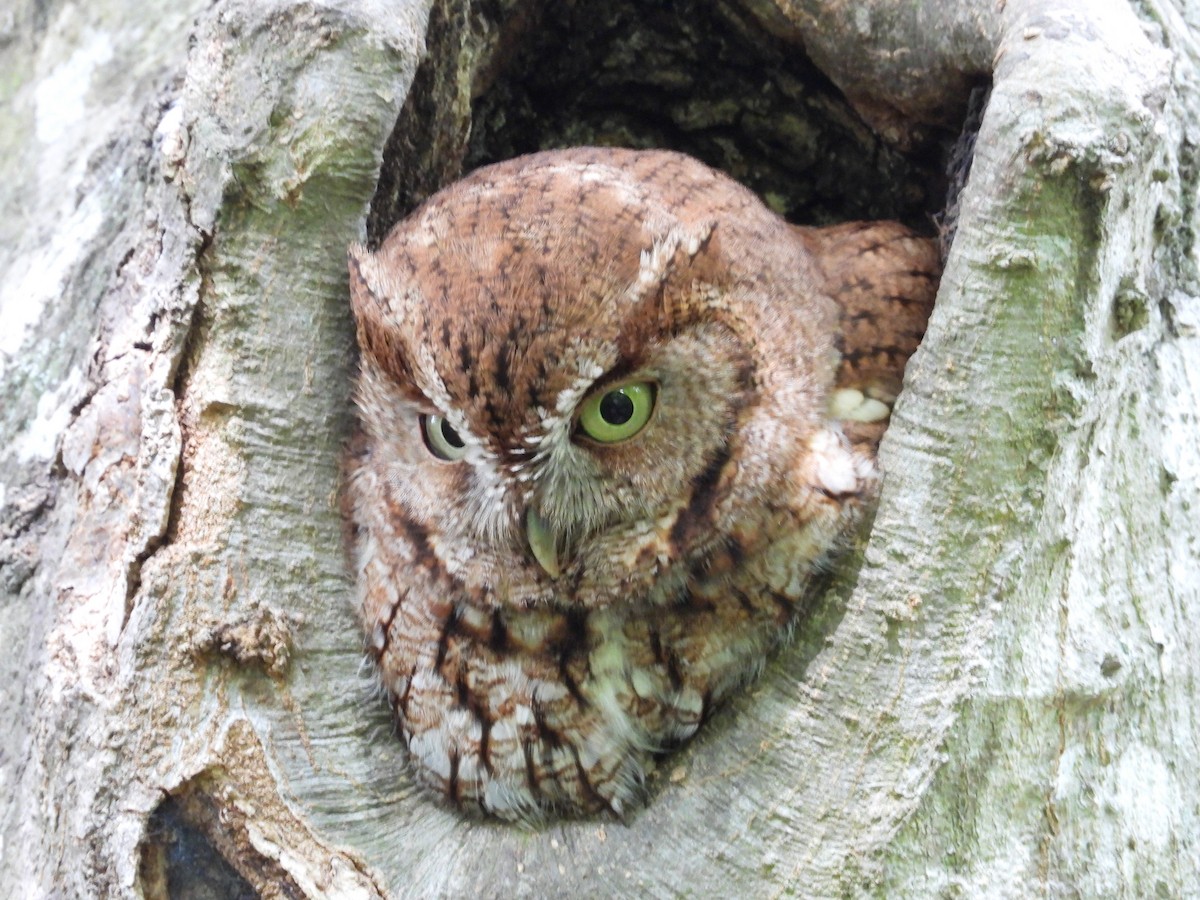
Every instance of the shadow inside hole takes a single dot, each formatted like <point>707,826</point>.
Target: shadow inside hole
<point>178,861</point>
<point>509,77</point>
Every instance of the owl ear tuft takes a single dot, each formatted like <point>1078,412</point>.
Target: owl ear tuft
<point>670,251</point>
<point>379,336</point>
<point>652,309</point>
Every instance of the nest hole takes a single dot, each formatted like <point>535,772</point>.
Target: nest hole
<point>506,77</point>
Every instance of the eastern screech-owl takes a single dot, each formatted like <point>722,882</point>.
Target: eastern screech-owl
<point>598,462</point>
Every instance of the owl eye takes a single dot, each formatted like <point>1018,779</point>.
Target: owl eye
<point>441,438</point>
<point>617,414</point>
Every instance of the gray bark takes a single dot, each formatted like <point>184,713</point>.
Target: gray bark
<point>997,696</point>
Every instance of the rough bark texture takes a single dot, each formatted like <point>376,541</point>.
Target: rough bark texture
<point>997,696</point>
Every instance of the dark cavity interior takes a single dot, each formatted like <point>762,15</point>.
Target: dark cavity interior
<point>507,77</point>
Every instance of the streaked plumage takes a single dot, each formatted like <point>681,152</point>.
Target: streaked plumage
<point>549,610</point>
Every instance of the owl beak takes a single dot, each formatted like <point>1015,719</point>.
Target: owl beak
<point>543,542</point>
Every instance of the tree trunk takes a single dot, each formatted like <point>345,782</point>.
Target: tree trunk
<point>995,696</point>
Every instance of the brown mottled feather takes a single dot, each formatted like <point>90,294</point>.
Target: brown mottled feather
<point>502,304</point>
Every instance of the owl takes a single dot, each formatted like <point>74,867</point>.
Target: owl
<point>615,413</point>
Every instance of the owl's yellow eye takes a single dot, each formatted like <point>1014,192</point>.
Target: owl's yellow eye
<point>617,414</point>
<point>441,438</point>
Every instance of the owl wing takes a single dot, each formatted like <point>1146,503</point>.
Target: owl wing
<point>883,277</point>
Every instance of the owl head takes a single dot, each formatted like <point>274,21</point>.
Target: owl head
<point>584,369</point>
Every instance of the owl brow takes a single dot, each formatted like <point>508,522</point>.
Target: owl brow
<point>377,337</point>
<point>650,313</point>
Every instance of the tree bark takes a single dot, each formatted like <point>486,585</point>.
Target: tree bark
<point>995,697</point>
